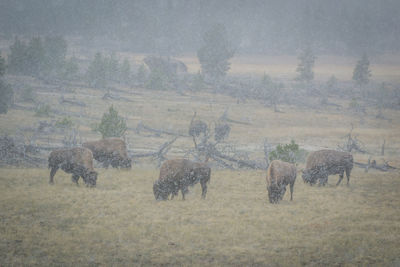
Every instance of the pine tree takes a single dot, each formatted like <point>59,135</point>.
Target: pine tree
<point>96,73</point>
<point>6,92</point>
<point>112,125</point>
<point>55,53</point>
<point>125,71</point>
<point>215,53</point>
<point>306,65</point>
<point>17,59</point>
<point>35,54</point>
<point>141,75</point>
<point>362,73</point>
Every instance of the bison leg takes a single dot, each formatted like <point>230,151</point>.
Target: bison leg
<point>75,179</point>
<point>340,178</point>
<point>323,180</point>
<point>203,189</point>
<point>52,173</point>
<point>348,175</point>
<point>291,191</point>
<point>184,191</point>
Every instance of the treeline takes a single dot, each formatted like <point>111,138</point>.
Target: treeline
<point>40,57</point>
<point>174,26</point>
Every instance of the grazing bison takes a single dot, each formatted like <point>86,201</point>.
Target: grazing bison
<point>279,175</point>
<point>78,161</point>
<point>179,174</point>
<point>110,151</point>
<point>320,164</point>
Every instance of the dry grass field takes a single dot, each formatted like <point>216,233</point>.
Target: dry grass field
<point>119,223</point>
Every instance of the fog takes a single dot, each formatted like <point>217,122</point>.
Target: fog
<point>173,27</point>
<point>199,133</point>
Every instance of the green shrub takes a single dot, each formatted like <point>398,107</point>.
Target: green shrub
<point>157,80</point>
<point>288,152</point>
<point>111,125</point>
<point>65,123</point>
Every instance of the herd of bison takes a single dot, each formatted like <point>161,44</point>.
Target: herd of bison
<point>178,174</point>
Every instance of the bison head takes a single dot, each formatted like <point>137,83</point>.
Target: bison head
<point>276,193</point>
<point>160,190</point>
<point>308,177</point>
<point>121,162</point>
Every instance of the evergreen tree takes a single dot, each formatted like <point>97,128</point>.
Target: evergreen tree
<point>306,65</point>
<point>96,73</point>
<point>17,59</point>
<point>35,54</point>
<point>157,80</point>
<point>141,75</point>
<point>2,66</point>
<point>55,53</point>
<point>112,125</point>
<point>125,71</point>
<point>215,53</point>
<point>70,69</point>
<point>111,66</point>
<point>6,92</point>
<point>362,73</point>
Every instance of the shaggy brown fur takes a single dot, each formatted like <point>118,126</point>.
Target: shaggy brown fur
<point>110,151</point>
<point>279,175</point>
<point>179,174</point>
<point>320,164</point>
<point>78,161</point>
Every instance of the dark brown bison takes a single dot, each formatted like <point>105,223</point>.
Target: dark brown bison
<point>78,161</point>
<point>320,164</point>
<point>110,151</point>
<point>279,175</point>
<point>179,174</point>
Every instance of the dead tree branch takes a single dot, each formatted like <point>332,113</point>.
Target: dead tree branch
<point>73,102</point>
<point>372,164</point>
<point>159,154</point>
<point>352,143</point>
<point>158,132</point>
<point>110,96</point>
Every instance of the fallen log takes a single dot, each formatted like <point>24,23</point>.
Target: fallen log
<point>107,96</point>
<point>163,149</point>
<point>372,164</point>
<point>158,132</point>
<point>73,102</point>
<point>240,162</point>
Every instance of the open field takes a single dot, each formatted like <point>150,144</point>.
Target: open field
<point>120,223</point>
<point>384,67</point>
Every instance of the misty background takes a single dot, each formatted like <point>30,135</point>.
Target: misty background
<point>173,27</point>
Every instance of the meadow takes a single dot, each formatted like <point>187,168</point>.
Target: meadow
<point>120,223</point>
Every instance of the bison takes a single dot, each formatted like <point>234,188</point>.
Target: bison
<point>320,164</point>
<point>78,161</point>
<point>179,174</point>
<point>279,175</point>
<point>110,151</point>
